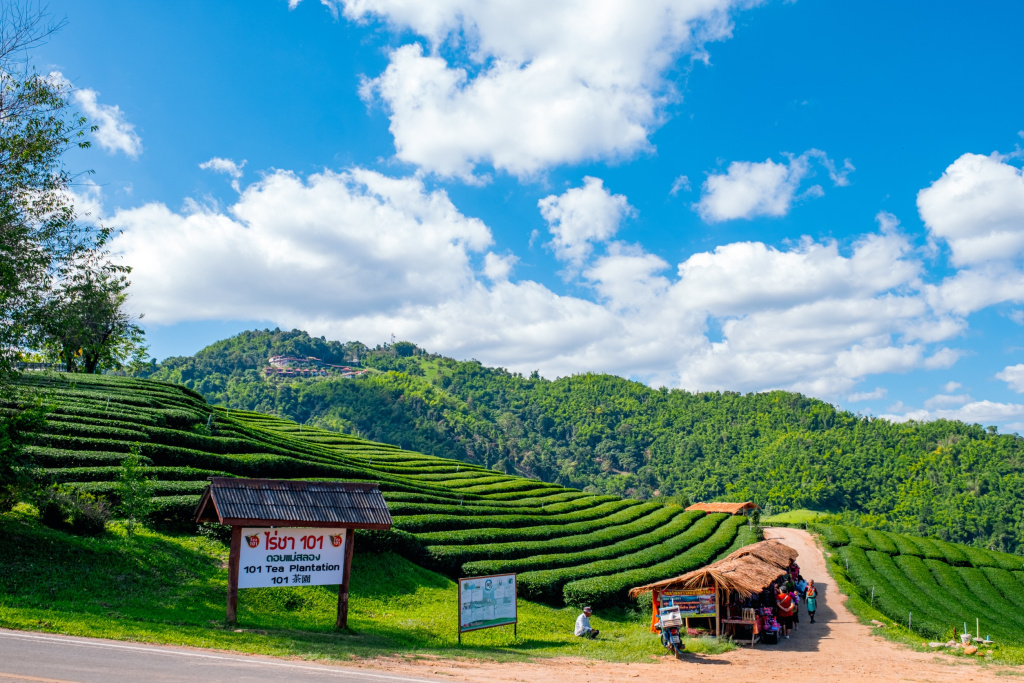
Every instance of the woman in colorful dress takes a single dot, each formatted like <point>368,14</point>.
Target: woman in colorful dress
<point>811,599</point>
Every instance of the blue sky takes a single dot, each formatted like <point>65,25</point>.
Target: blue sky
<point>708,194</point>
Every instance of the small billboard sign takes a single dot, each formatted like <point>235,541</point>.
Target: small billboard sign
<point>487,601</point>
<point>695,602</point>
<point>291,557</point>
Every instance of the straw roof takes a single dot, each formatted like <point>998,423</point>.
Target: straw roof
<point>747,571</point>
<point>731,508</point>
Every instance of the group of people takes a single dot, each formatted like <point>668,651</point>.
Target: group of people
<point>789,592</point>
<point>778,606</point>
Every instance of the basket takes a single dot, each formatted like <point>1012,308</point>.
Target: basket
<point>670,617</point>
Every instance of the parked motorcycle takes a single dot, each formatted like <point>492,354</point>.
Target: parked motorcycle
<point>669,623</point>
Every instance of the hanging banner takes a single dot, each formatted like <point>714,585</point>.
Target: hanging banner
<point>487,601</point>
<point>695,602</point>
<point>291,557</point>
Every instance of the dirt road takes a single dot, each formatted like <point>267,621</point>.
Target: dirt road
<point>837,648</point>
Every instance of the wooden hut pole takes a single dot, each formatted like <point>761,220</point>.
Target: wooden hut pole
<point>236,550</point>
<point>718,623</point>
<point>350,541</point>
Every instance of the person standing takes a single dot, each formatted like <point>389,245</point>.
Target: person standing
<point>583,628</point>
<point>784,610</point>
<point>811,599</point>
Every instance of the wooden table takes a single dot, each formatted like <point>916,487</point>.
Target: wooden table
<point>742,622</point>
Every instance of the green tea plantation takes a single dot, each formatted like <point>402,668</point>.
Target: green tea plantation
<point>932,586</point>
<point>568,546</point>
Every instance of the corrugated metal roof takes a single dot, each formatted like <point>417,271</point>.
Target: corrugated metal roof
<point>279,502</point>
<point>731,508</point>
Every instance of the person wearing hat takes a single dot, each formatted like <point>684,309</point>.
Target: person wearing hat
<point>583,624</point>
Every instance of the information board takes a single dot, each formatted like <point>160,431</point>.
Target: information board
<point>696,602</point>
<point>291,557</point>
<point>486,601</point>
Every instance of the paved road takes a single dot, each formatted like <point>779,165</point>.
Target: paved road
<point>44,658</point>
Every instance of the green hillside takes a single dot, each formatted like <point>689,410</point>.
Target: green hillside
<point>605,434</point>
<point>942,585</point>
<point>460,519</point>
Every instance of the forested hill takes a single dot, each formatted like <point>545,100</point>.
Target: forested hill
<point>944,478</point>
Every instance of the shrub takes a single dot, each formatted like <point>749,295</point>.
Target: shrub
<point>881,542</point>
<point>534,533</point>
<point>448,558</point>
<point>134,491</point>
<point>78,512</point>
<point>547,584</point>
<point>609,590</point>
<point>456,521</point>
<point>678,522</point>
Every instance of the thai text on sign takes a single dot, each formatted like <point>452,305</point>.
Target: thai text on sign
<point>695,602</point>
<point>291,557</point>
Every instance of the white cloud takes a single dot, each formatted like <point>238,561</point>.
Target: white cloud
<point>977,207</point>
<point>226,166</point>
<point>1013,375</point>
<point>878,393</point>
<point>359,255</point>
<point>335,244</point>
<point>975,412</point>
<point>522,85</point>
<point>498,268</point>
<point>114,133</point>
<point>680,184</point>
<point>950,387</point>
<point>581,216</point>
<point>748,189</point>
<point>946,401</point>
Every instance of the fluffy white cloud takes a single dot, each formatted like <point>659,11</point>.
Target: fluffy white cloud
<point>114,133</point>
<point>748,188</point>
<point>1013,375</point>
<point>878,393</point>
<point>522,85</point>
<point>974,412</point>
<point>977,207</point>
<point>330,246</point>
<point>581,216</point>
<point>228,167</point>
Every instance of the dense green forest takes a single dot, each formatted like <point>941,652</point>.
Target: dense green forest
<point>606,434</point>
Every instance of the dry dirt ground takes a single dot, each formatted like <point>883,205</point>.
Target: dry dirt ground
<point>836,648</point>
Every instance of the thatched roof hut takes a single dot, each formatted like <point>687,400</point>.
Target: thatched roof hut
<point>747,571</point>
<point>730,508</point>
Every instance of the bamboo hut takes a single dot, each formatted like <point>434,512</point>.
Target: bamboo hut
<point>746,572</point>
<point>728,508</point>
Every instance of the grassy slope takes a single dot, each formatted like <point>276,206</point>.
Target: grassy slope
<point>171,589</point>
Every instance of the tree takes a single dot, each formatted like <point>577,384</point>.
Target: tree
<point>39,235</point>
<point>16,472</point>
<point>134,491</point>
<point>85,323</point>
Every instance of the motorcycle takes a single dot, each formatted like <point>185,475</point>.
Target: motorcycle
<point>669,623</point>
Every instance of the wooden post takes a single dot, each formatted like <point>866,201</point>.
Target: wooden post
<point>718,623</point>
<point>236,549</point>
<point>350,541</point>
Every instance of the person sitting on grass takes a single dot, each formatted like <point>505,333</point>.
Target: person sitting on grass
<point>583,624</point>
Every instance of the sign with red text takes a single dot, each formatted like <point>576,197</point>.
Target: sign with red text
<point>291,557</point>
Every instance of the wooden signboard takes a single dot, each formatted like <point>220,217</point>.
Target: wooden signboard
<point>288,533</point>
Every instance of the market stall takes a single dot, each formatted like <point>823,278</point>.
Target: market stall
<point>732,594</point>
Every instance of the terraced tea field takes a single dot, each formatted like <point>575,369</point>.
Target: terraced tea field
<point>943,585</point>
<point>567,545</point>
